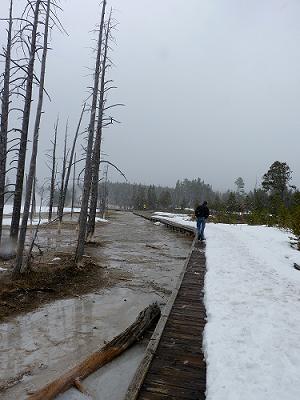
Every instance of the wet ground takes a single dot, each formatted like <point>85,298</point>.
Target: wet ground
<point>38,346</point>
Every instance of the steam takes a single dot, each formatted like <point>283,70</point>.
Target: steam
<point>7,249</point>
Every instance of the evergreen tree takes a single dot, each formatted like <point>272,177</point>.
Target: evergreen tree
<point>232,204</point>
<point>240,185</point>
<point>276,179</point>
<point>140,201</point>
<point>165,199</point>
<point>151,198</point>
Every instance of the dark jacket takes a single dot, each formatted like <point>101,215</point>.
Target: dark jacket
<point>202,211</point>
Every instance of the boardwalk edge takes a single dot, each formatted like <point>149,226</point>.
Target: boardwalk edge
<point>137,381</point>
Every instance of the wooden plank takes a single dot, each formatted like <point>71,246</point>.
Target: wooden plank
<point>176,392</point>
<point>178,369</point>
<point>135,385</point>
<point>174,366</point>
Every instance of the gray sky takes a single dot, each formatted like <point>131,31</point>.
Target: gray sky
<point>211,87</point>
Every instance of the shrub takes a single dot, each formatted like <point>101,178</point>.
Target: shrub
<point>294,222</point>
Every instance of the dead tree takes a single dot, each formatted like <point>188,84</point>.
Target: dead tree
<point>73,186</point>
<point>4,115</point>
<point>63,175</point>
<point>62,199</point>
<point>104,194</point>
<point>89,149</point>
<point>14,228</point>
<point>98,140</point>
<point>33,201</point>
<point>32,167</point>
<point>29,255</point>
<point>102,123</point>
<point>53,172</point>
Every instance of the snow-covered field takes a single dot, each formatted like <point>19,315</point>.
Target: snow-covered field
<point>8,209</point>
<point>252,295</point>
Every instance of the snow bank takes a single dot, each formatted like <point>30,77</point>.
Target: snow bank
<point>182,219</point>
<point>252,297</point>
<point>101,220</point>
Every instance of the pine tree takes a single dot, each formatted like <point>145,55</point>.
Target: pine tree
<point>277,178</point>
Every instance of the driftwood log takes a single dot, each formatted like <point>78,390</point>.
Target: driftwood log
<point>101,357</point>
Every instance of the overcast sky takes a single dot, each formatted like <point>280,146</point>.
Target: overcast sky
<point>211,87</point>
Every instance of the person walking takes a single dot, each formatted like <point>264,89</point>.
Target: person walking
<point>201,214</point>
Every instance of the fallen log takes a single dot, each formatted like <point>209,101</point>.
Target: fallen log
<point>101,357</point>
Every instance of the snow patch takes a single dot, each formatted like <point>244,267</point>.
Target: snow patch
<point>252,298</point>
<point>101,219</point>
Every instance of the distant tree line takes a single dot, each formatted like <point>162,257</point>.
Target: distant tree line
<point>274,202</point>
<point>186,194</point>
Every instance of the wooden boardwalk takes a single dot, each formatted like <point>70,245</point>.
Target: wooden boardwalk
<point>174,366</point>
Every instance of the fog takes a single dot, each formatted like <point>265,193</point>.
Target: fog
<point>211,87</point>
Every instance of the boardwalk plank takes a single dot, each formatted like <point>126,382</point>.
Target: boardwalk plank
<point>178,369</point>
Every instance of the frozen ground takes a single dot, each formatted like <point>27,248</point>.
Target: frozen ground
<point>252,294</point>
<point>8,208</point>
<point>38,346</point>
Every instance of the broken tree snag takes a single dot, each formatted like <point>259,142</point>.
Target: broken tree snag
<point>101,357</point>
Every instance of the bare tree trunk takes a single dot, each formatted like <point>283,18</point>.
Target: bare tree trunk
<point>33,201</point>
<point>73,186</point>
<point>67,177</point>
<point>63,175</point>
<point>32,168</point>
<point>53,173</point>
<point>14,228</point>
<point>89,150</point>
<point>4,117</point>
<point>103,203</point>
<point>97,144</point>
<point>34,237</point>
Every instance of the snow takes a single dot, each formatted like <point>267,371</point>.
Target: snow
<point>35,221</point>
<point>182,219</point>
<point>8,209</point>
<point>252,298</point>
<point>101,219</point>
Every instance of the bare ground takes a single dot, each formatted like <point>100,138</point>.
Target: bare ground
<point>53,274</point>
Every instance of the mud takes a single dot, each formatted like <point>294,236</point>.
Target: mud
<point>140,263</point>
<point>52,274</point>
